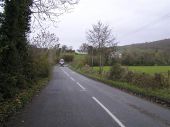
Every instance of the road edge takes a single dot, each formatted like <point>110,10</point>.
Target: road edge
<point>151,98</point>
<point>16,104</point>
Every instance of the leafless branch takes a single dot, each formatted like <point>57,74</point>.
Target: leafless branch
<point>45,40</point>
<point>43,10</point>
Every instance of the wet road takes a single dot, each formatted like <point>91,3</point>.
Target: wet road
<point>72,100</point>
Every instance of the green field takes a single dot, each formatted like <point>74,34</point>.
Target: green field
<point>146,69</point>
<point>150,69</point>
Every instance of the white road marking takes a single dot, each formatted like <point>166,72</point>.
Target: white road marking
<point>111,115</point>
<point>82,87</point>
<point>66,73</point>
<point>72,78</point>
<point>63,70</point>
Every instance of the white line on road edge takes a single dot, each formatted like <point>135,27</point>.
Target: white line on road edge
<point>72,78</point>
<point>81,86</point>
<point>113,116</point>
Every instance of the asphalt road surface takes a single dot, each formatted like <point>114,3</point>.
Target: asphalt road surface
<point>72,100</point>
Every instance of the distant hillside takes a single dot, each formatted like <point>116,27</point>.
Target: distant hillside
<point>161,45</point>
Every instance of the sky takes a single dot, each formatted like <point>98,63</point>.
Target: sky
<point>131,21</point>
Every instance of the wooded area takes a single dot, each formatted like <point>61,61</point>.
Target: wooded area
<point>153,53</point>
<point>24,61</point>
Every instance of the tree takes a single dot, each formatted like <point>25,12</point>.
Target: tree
<point>84,47</point>
<point>1,19</point>
<point>14,63</point>
<point>45,40</point>
<point>15,22</point>
<point>64,48</point>
<point>47,44</point>
<point>100,37</point>
<point>43,10</point>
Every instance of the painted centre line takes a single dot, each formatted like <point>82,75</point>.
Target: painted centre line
<point>110,114</point>
<point>82,87</point>
<point>72,78</point>
<point>66,73</point>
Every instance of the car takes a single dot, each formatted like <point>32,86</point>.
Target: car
<point>61,62</point>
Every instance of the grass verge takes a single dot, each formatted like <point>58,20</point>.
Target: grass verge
<point>11,106</point>
<point>160,96</point>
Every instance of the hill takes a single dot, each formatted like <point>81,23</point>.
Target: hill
<point>161,45</point>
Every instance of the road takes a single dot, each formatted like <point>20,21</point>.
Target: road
<point>72,100</point>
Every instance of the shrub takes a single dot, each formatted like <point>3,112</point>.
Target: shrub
<point>79,61</point>
<point>162,80</point>
<point>78,65</point>
<point>129,76</point>
<point>37,66</point>
<point>144,80</point>
<point>117,72</point>
<point>41,64</point>
<point>68,57</point>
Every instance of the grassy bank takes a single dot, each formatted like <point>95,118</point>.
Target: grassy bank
<point>10,106</point>
<point>161,96</point>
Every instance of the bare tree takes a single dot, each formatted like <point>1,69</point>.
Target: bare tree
<point>70,48</point>
<point>43,10</point>
<point>100,37</point>
<point>64,48</point>
<point>47,44</point>
<point>84,47</point>
<point>45,40</point>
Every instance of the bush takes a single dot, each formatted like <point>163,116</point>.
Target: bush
<point>129,76</point>
<point>144,80</point>
<point>37,66</point>
<point>147,80</point>
<point>68,57</point>
<point>162,80</point>
<point>78,64</point>
<point>42,67</point>
<point>117,72</point>
<point>79,61</point>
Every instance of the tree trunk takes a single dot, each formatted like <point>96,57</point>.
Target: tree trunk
<point>92,58</point>
<point>100,63</point>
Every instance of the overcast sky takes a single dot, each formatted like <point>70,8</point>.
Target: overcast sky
<point>132,21</point>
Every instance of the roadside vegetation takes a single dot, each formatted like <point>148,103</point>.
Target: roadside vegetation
<point>26,62</point>
<point>14,104</point>
<point>154,87</point>
<point>142,73</point>
<point>24,71</point>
